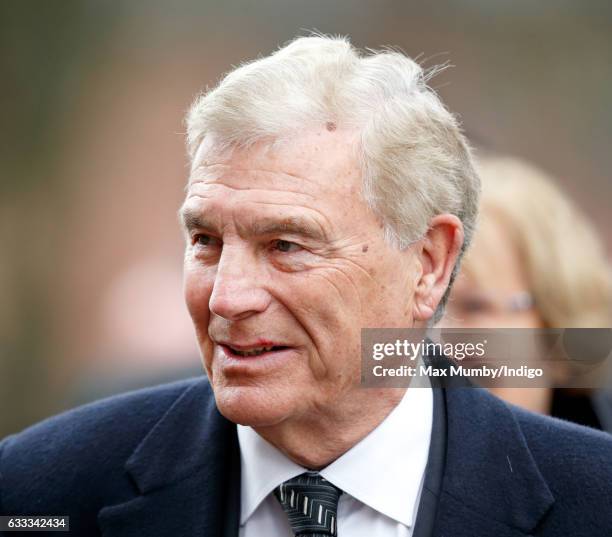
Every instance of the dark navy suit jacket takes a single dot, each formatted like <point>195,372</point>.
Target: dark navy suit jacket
<point>164,462</point>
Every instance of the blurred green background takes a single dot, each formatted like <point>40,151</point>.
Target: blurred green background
<point>93,165</point>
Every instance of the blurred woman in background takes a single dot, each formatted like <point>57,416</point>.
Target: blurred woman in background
<point>535,262</point>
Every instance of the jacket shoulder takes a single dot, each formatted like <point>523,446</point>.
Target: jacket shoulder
<point>83,450</point>
<point>561,445</point>
<point>576,463</point>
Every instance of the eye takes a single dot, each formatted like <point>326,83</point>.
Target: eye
<point>204,240</point>
<point>285,246</point>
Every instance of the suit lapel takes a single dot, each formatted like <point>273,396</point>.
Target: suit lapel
<point>186,473</point>
<point>491,484</point>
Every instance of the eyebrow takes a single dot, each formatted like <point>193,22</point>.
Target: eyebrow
<point>308,228</point>
<point>193,219</point>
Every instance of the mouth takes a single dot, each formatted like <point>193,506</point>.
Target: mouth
<point>246,351</point>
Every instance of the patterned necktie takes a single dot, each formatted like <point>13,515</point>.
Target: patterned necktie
<point>311,503</point>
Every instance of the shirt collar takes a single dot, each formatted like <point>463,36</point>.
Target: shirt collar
<point>384,470</point>
<point>262,469</point>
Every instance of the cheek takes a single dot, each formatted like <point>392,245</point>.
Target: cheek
<point>197,288</point>
<point>390,295</point>
<point>328,307</point>
<point>328,298</point>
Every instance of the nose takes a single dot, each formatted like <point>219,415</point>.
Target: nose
<point>237,291</point>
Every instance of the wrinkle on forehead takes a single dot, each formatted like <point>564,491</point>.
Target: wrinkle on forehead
<point>276,210</point>
<point>214,171</point>
<point>303,158</point>
<point>202,189</point>
<point>310,215</point>
<point>233,179</point>
<point>279,180</point>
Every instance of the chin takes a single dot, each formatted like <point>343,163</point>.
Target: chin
<point>252,405</point>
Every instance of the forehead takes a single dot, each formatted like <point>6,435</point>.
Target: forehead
<point>320,164</point>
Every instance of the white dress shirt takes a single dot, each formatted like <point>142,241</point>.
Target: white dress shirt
<point>381,476</point>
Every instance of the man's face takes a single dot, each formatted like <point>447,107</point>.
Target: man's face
<point>285,263</point>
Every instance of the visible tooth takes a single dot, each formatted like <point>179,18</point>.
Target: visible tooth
<point>253,352</point>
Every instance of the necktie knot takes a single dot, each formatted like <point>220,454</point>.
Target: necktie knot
<point>311,503</point>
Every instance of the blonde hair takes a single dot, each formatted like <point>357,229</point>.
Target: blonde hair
<point>565,265</point>
<point>415,161</point>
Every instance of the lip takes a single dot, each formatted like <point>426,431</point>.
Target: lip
<point>236,365</point>
<point>249,346</point>
<point>229,354</point>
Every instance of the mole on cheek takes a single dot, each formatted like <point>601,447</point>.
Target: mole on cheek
<point>330,126</point>
<point>364,248</point>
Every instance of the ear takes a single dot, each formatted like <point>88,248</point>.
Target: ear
<point>438,252</point>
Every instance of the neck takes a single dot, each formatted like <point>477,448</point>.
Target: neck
<point>317,439</point>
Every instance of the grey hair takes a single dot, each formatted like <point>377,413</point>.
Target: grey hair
<point>415,161</point>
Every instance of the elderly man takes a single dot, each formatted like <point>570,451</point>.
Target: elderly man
<point>329,191</point>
